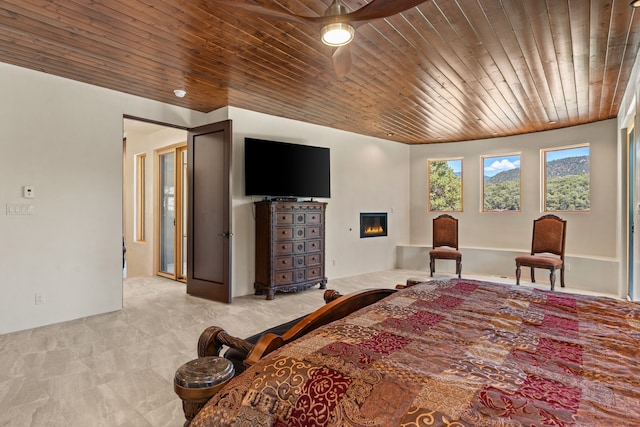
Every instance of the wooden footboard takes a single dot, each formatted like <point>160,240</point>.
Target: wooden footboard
<point>334,310</point>
<point>338,306</point>
<point>214,338</point>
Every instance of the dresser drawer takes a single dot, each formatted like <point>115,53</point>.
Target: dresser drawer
<point>284,218</point>
<point>284,277</point>
<point>285,248</point>
<point>284,233</point>
<point>312,232</point>
<point>314,272</point>
<point>284,263</point>
<point>314,245</point>
<point>314,218</point>
<point>314,259</point>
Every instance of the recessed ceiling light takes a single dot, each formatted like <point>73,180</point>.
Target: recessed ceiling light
<point>180,93</point>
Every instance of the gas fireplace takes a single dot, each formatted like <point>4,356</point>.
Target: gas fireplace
<point>373,224</point>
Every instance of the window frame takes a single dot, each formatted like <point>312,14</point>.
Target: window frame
<point>447,160</point>
<point>483,158</point>
<point>543,175</point>
<point>140,197</point>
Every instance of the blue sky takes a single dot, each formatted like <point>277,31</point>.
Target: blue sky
<point>456,165</point>
<point>495,165</point>
<point>561,154</point>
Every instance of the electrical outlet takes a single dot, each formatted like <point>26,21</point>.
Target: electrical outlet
<point>28,192</point>
<point>39,298</point>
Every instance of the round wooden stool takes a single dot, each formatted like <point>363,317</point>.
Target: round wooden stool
<point>197,381</point>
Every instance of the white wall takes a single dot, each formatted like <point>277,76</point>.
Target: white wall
<point>65,139</point>
<point>490,241</point>
<point>367,175</point>
<point>140,254</point>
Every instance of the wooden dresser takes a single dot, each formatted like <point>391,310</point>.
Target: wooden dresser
<point>289,246</point>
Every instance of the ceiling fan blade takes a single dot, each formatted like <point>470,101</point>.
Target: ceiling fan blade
<point>255,10</point>
<point>374,10</point>
<point>342,60</point>
<point>381,9</point>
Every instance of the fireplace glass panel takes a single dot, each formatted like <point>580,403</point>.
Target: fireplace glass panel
<point>373,224</point>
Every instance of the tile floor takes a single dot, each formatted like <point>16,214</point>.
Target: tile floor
<point>117,369</point>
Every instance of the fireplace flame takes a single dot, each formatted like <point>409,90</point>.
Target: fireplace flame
<point>373,230</point>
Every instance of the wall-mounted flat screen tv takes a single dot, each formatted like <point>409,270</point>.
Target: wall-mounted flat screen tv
<point>279,169</point>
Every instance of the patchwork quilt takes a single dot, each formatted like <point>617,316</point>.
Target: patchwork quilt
<point>450,353</point>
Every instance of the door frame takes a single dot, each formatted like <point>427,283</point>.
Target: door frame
<point>631,206</point>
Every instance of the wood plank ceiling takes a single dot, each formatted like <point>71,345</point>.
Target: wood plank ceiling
<point>447,70</point>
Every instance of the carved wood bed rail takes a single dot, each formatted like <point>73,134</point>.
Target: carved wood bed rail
<point>337,306</point>
<point>245,353</point>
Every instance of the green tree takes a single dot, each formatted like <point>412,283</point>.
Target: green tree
<point>504,196</point>
<point>445,188</point>
<point>568,193</point>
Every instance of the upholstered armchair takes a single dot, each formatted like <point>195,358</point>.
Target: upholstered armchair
<point>547,249</point>
<point>445,242</point>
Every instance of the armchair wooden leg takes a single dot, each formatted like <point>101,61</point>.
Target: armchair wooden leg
<point>432,266</point>
<point>533,275</point>
<point>459,268</point>
<point>552,277</point>
<point>517,274</point>
<point>562,276</point>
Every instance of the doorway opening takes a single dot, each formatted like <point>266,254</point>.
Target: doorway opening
<point>154,197</point>
<point>187,205</point>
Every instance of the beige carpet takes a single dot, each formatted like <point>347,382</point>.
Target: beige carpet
<point>117,369</point>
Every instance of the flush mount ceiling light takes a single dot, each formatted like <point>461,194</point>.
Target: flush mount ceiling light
<point>180,93</point>
<point>635,3</point>
<point>337,33</point>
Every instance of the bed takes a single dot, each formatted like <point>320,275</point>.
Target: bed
<point>450,353</point>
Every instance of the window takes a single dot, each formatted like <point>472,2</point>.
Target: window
<point>501,183</point>
<point>445,185</point>
<point>566,179</point>
<point>139,196</point>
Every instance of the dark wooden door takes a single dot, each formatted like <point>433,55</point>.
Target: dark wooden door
<point>209,207</point>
